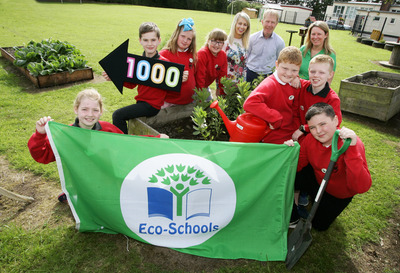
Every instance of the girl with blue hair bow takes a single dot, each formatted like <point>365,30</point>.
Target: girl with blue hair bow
<point>181,48</point>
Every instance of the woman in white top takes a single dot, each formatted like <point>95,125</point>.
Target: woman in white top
<point>236,46</point>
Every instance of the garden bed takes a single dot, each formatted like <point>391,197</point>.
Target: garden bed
<point>174,121</point>
<point>373,94</point>
<point>52,79</point>
<point>183,129</point>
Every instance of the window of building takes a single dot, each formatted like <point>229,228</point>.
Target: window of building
<point>376,18</point>
<point>338,11</point>
<point>350,12</point>
<point>392,21</point>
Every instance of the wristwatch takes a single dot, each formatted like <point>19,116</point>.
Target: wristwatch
<point>301,128</point>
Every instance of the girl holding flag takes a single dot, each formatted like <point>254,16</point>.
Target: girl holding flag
<point>88,107</point>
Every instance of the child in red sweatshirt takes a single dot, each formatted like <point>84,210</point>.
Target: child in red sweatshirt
<point>350,175</point>
<point>149,99</point>
<point>316,90</point>
<point>181,49</point>
<point>274,98</point>
<point>212,63</point>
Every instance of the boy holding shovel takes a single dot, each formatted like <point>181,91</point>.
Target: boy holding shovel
<point>350,175</point>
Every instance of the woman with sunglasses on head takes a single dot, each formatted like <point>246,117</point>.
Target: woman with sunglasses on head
<point>211,61</point>
<point>236,46</point>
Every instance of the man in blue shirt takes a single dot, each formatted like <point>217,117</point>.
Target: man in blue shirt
<point>264,47</point>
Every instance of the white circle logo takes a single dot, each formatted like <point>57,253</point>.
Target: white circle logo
<point>177,200</point>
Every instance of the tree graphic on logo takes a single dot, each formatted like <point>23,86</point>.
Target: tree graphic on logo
<point>181,179</point>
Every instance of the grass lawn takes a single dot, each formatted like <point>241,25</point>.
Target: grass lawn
<point>96,29</point>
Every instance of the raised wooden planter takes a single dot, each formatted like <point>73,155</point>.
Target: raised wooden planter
<point>52,79</point>
<point>380,103</point>
<point>142,126</point>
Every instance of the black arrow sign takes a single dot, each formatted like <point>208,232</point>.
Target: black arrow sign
<point>122,67</point>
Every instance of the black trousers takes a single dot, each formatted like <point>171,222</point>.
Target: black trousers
<point>140,109</point>
<point>251,75</point>
<point>329,208</point>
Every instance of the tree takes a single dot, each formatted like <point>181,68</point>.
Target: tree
<point>293,2</point>
<point>319,7</point>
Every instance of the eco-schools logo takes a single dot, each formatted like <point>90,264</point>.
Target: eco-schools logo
<point>177,200</point>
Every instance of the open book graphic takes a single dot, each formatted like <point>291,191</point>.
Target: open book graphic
<point>198,203</point>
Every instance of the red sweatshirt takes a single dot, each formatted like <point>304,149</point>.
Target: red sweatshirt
<point>307,99</point>
<point>350,175</point>
<point>274,103</point>
<point>153,96</point>
<point>210,68</point>
<point>187,88</point>
<point>40,148</point>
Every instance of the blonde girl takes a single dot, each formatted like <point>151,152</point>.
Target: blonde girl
<point>88,107</point>
<point>236,46</point>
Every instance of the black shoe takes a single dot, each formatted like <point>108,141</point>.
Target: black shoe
<point>294,218</point>
<point>302,212</point>
<point>62,198</point>
<point>303,199</point>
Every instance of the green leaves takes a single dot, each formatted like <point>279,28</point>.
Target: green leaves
<point>199,119</point>
<point>207,122</point>
<point>48,57</point>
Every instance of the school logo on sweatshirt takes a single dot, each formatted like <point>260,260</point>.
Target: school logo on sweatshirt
<point>169,200</point>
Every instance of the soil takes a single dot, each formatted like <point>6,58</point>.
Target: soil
<point>183,129</point>
<point>378,81</point>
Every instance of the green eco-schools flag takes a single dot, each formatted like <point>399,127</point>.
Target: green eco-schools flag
<point>213,199</point>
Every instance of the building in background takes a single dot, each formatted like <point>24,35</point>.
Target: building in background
<point>291,14</point>
<point>365,17</point>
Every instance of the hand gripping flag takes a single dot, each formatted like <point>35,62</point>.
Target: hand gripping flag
<point>213,199</point>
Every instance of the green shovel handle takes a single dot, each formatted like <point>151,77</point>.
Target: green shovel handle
<point>335,152</point>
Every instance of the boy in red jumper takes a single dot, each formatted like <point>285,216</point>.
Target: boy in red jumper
<point>149,99</point>
<point>350,175</point>
<point>316,90</point>
<point>273,99</point>
<point>212,63</point>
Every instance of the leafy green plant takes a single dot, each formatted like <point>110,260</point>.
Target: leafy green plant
<point>199,119</point>
<point>208,122</point>
<point>48,57</point>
